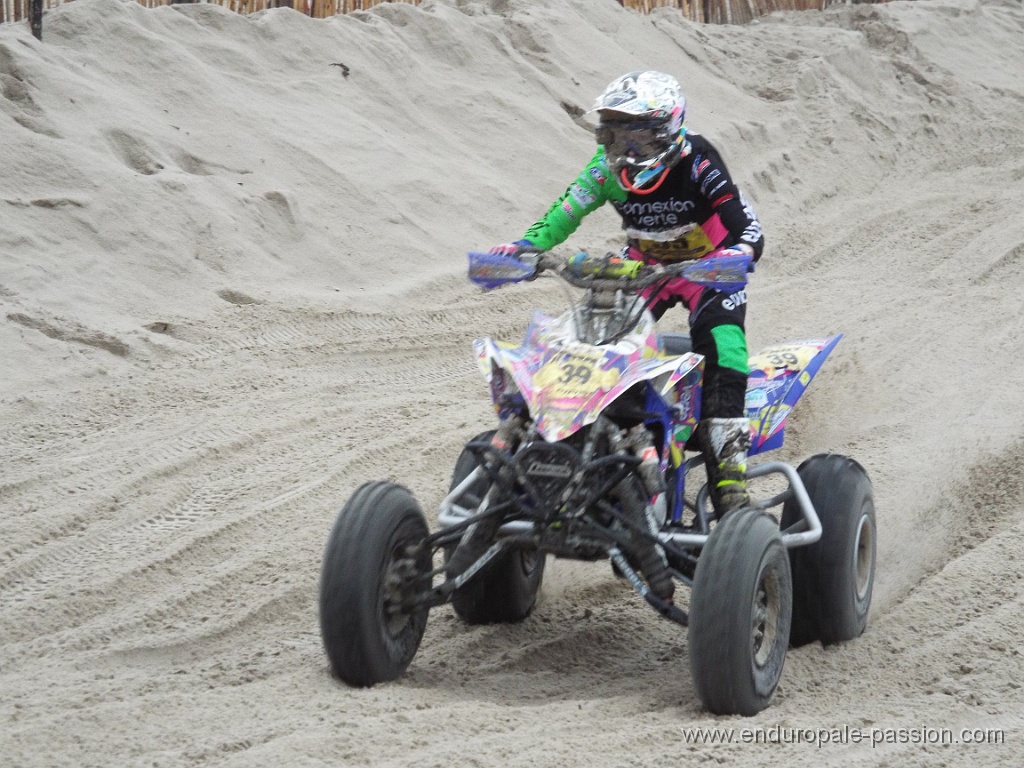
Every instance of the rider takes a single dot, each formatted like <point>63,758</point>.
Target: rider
<point>677,201</point>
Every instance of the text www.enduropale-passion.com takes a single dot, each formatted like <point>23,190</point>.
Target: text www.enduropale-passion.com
<point>820,737</point>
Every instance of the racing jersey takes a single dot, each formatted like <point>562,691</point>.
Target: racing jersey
<point>696,208</point>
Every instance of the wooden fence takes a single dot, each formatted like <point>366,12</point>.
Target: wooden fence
<point>705,11</point>
<point>733,11</point>
<point>16,10</point>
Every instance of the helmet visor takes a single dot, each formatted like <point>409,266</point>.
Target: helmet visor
<point>635,142</point>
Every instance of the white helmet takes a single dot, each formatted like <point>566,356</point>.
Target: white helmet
<point>642,126</point>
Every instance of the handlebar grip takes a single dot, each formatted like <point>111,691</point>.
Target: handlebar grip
<point>607,267</point>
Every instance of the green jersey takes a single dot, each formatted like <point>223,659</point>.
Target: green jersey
<point>592,188</point>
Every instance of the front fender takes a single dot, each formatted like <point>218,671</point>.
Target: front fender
<point>561,403</point>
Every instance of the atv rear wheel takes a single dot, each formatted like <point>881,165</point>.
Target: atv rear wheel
<point>833,578</point>
<point>740,613</point>
<point>505,590</point>
<point>371,563</point>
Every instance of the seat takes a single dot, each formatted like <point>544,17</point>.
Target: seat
<point>675,343</point>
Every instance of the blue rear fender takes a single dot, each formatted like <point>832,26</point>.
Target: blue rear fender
<point>778,377</point>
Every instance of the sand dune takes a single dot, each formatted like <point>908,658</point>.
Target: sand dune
<point>232,289</point>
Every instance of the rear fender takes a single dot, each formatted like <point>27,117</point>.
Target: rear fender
<point>778,377</point>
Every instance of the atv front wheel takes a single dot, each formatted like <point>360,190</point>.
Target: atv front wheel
<point>833,578</point>
<point>505,590</point>
<point>371,565</point>
<point>740,613</point>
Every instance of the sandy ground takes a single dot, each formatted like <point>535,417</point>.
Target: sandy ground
<point>232,282</point>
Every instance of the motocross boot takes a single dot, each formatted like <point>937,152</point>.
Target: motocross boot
<point>724,443</point>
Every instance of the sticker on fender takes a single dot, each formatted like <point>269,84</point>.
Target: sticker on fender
<point>781,359</point>
<point>574,374</point>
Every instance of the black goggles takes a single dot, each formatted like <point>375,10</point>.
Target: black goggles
<point>639,140</point>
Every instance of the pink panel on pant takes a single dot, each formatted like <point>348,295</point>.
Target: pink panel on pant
<point>677,286</point>
<point>689,292</point>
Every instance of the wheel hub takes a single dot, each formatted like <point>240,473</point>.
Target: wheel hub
<point>864,560</point>
<point>765,617</point>
<point>399,577</point>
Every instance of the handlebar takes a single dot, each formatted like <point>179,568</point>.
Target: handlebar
<point>726,272</point>
<point>633,280</point>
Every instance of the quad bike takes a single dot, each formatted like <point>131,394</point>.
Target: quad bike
<point>596,411</point>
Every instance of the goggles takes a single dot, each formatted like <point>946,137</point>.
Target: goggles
<point>636,142</point>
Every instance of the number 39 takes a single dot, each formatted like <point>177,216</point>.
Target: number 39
<point>571,373</point>
<point>783,360</point>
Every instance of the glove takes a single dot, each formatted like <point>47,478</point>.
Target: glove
<point>515,250</point>
<point>609,266</point>
<point>742,249</point>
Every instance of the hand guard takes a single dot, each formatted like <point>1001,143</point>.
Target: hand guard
<point>515,250</point>
<point>736,250</point>
<point>496,268</point>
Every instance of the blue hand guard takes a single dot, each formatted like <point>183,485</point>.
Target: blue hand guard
<point>723,273</point>
<point>493,270</point>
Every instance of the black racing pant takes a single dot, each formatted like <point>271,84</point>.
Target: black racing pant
<point>718,332</point>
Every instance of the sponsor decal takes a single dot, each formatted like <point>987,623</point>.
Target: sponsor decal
<point>683,433</point>
<point>735,300</point>
<point>574,375</point>
<point>666,213</point>
<point>581,195</point>
<point>769,426</point>
<point>542,469</point>
<point>756,399</point>
<point>753,231</point>
<point>567,207</point>
<point>685,405</point>
<point>710,177</point>
<point>722,199</point>
<point>671,205</point>
<point>763,391</point>
<point>598,175</point>
<point>700,165</point>
<point>776,361</point>
<point>676,250</point>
